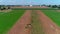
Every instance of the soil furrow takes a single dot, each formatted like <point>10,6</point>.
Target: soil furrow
<point>19,27</point>
<point>49,27</point>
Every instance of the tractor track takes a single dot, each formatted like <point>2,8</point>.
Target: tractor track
<point>49,27</point>
<point>19,27</point>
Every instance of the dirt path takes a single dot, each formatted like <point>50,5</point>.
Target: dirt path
<point>19,27</point>
<point>49,27</point>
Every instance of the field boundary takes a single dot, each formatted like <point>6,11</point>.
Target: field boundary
<point>19,27</point>
<point>49,27</point>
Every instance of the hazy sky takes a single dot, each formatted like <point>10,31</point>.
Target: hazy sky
<point>28,2</point>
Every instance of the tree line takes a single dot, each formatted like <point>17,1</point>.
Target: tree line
<point>53,6</point>
<point>3,7</point>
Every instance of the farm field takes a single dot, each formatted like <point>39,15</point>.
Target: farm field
<point>48,25</point>
<point>54,15</point>
<point>21,26</point>
<point>30,21</point>
<point>8,19</point>
<point>39,23</point>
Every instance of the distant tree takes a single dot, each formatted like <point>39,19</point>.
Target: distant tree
<point>43,5</point>
<point>0,6</point>
<point>54,6</point>
<point>59,6</point>
<point>3,8</point>
<point>49,6</point>
<point>8,7</point>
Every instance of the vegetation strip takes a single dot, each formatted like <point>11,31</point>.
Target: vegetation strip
<point>35,9</point>
<point>36,28</point>
<point>7,20</point>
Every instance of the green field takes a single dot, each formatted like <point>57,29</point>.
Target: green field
<point>54,15</point>
<point>8,19</point>
<point>37,9</point>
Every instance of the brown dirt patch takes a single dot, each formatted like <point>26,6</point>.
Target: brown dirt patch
<point>58,10</point>
<point>48,26</point>
<point>19,27</point>
<point>44,7</point>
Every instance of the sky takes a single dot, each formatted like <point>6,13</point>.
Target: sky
<point>29,2</point>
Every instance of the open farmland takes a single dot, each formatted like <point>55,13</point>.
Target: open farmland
<point>54,15</point>
<point>8,19</point>
<point>29,21</point>
<point>35,22</point>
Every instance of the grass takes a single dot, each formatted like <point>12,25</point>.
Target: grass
<point>36,28</point>
<point>36,9</point>
<point>8,19</point>
<point>54,15</point>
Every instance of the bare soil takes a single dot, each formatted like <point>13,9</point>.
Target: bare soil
<point>49,27</point>
<point>58,10</point>
<point>19,27</point>
<point>44,7</point>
